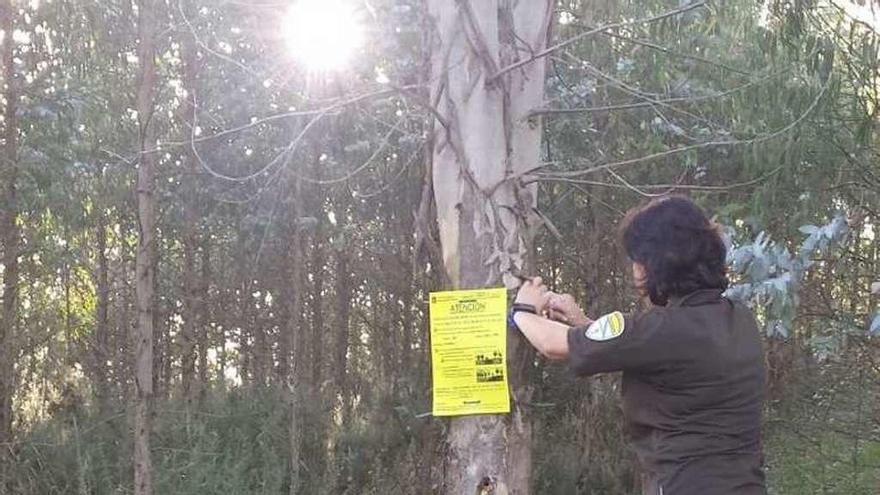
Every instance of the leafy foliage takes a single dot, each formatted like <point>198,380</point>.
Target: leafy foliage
<point>770,275</point>
<point>765,113</point>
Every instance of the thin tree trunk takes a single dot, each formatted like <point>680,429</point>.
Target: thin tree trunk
<point>10,236</point>
<point>191,215</point>
<point>161,335</point>
<point>242,294</point>
<point>146,252</point>
<point>203,307</point>
<point>296,345</point>
<point>407,288</point>
<point>125,323</point>
<point>317,300</point>
<point>484,213</point>
<point>68,317</point>
<point>343,316</point>
<point>102,320</point>
<point>341,393</point>
<point>318,413</point>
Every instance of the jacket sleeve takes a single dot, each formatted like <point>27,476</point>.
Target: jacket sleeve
<point>615,342</point>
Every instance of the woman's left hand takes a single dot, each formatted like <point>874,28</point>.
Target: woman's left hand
<point>533,292</point>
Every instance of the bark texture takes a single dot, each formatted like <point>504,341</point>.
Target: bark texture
<point>191,285</point>
<point>10,236</point>
<point>146,252</point>
<point>483,143</point>
<point>295,351</point>
<point>102,316</point>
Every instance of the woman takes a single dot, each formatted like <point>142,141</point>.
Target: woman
<point>693,364</point>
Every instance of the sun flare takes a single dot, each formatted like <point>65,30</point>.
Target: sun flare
<point>322,34</point>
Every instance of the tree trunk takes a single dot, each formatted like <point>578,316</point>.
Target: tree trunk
<point>295,348</point>
<point>343,316</point>
<point>146,252</point>
<point>338,472</point>
<point>190,220</point>
<point>68,317</point>
<point>125,324</point>
<point>161,334</point>
<point>318,412</point>
<point>483,142</point>
<point>202,343</point>
<point>241,319</point>
<point>10,237</point>
<point>102,317</point>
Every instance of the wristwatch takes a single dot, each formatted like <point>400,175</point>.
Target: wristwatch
<point>514,309</point>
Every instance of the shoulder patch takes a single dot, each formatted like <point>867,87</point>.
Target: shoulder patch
<point>607,327</point>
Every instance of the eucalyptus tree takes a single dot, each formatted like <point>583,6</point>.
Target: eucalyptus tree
<point>485,82</point>
<point>9,232</point>
<point>148,12</point>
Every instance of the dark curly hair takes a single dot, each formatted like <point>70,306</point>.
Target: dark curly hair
<point>680,249</point>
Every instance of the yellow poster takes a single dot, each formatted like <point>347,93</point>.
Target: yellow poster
<point>468,352</point>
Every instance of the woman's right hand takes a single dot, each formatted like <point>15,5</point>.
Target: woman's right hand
<point>564,309</point>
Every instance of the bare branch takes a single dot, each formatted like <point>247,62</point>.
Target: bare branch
<point>642,104</point>
<point>709,144</point>
<point>650,98</point>
<point>640,188</point>
<point>379,149</point>
<point>281,116</point>
<point>641,192</point>
<point>394,180</point>
<point>422,102</point>
<point>210,50</point>
<point>674,53</point>
<point>597,30</point>
<point>281,158</point>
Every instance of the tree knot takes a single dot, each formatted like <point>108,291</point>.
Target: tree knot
<point>486,486</point>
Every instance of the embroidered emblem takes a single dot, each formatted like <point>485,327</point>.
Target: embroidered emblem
<point>607,327</point>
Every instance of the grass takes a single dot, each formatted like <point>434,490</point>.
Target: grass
<point>821,440</point>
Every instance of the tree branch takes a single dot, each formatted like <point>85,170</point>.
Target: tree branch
<point>627,106</point>
<point>597,30</point>
<point>708,144</point>
<point>640,188</point>
<point>669,51</point>
<point>338,105</point>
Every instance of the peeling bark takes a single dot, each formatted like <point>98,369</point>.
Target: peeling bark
<point>483,142</point>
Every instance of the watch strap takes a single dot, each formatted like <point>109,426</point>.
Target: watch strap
<point>528,308</point>
<point>516,308</point>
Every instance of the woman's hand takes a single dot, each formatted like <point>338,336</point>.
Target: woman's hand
<point>533,292</point>
<point>564,309</point>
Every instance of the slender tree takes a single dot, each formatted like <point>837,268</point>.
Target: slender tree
<point>191,285</point>
<point>102,313</point>
<point>10,232</point>
<point>204,310</point>
<point>296,347</point>
<point>146,252</point>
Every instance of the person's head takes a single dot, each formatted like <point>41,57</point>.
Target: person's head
<point>674,248</point>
